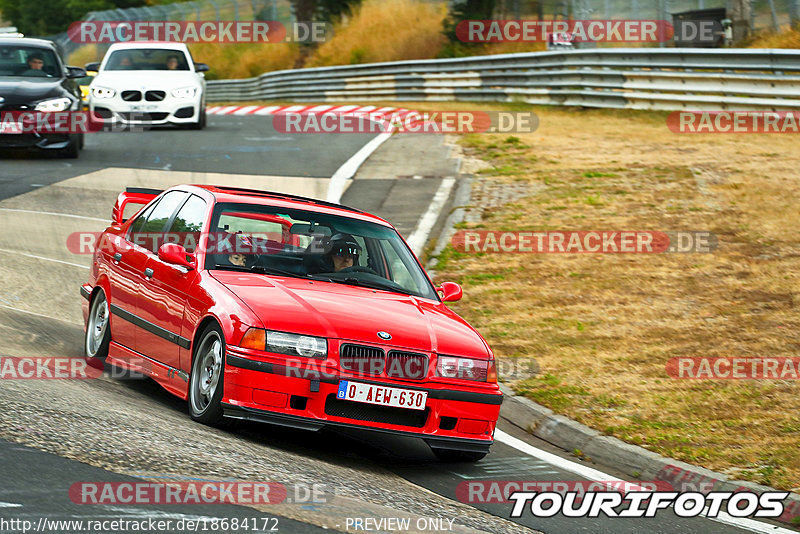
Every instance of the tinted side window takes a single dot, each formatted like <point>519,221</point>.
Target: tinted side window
<point>150,234</point>
<point>136,225</point>
<point>189,222</point>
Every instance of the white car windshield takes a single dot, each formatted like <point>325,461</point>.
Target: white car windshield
<point>147,59</point>
<point>28,62</point>
<point>306,244</point>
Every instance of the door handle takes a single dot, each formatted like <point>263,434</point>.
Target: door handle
<point>148,273</point>
<point>117,256</point>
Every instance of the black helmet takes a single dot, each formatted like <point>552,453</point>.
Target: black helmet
<point>342,245</point>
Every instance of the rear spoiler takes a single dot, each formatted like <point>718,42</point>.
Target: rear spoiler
<point>132,195</point>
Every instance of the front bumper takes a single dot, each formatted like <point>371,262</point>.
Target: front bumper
<point>48,141</point>
<point>263,391</point>
<point>168,111</point>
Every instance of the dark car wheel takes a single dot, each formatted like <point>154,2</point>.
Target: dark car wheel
<point>98,331</point>
<point>453,456</point>
<point>72,150</point>
<point>201,120</point>
<point>206,381</point>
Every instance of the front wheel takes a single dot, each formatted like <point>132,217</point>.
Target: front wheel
<point>98,333</point>
<point>207,380</point>
<point>454,456</point>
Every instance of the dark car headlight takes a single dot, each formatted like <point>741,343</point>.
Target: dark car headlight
<point>54,104</point>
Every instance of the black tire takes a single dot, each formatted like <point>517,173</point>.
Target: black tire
<point>72,151</point>
<point>201,120</point>
<point>98,331</point>
<point>208,366</point>
<point>454,456</point>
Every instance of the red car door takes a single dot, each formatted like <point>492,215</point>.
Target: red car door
<point>164,292</point>
<point>126,264</point>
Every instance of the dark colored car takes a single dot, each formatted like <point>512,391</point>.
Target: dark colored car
<point>34,81</point>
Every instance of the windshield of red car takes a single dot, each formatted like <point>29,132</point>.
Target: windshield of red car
<point>307,244</point>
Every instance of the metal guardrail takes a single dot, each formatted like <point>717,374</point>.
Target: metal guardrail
<point>635,78</point>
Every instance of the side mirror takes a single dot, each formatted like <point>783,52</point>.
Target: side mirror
<point>201,67</point>
<point>450,291</point>
<point>75,72</point>
<point>95,66</point>
<point>176,255</point>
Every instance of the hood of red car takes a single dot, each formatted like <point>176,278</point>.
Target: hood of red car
<point>354,313</point>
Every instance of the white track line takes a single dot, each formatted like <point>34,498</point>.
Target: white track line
<point>57,214</point>
<point>599,476</point>
<point>419,236</point>
<point>348,170</point>
<point>9,505</point>
<point>18,253</point>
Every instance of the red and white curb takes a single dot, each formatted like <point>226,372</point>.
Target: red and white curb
<point>305,109</point>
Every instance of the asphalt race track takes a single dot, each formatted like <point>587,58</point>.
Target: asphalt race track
<point>54,433</point>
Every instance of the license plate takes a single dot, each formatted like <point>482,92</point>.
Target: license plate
<point>7,128</point>
<point>145,107</point>
<point>382,395</point>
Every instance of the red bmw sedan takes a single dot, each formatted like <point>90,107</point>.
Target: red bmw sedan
<point>287,310</point>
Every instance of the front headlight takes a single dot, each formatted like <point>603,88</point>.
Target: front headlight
<point>285,343</point>
<point>184,92</point>
<point>55,104</point>
<point>103,92</point>
<point>466,369</point>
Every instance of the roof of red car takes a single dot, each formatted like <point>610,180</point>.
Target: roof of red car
<point>274,198</point>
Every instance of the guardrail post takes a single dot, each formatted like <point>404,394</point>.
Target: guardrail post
<point>794,12</point>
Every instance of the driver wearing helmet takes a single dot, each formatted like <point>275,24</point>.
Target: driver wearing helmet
<point>343,251</point>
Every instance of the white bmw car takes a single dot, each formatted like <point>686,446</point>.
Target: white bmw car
<point>149,84</point>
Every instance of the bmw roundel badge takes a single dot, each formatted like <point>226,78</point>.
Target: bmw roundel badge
<point>384,335</point>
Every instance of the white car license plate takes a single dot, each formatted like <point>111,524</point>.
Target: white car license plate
<point>8,128</point>
<point>382,395</point>
<point>144,107</point>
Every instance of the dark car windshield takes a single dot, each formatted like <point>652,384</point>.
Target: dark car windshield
<point>28,62</point>
<point>147,59</point>
<point>287,242</point>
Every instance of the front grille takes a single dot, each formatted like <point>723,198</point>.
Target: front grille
<point>154,96</point>
<point>362,359</point>
<point>409,365</point>
<point>374,413</point>
<point>131,96</point>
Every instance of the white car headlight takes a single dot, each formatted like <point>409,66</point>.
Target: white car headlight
<point>103,92</point>
<point>297,345</point>
<point>55,104</point>
<point>184,92</point>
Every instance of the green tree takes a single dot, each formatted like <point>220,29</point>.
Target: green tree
<point>46,17</point>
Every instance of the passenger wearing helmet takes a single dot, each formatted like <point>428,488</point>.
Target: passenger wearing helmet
<point>343,251</point>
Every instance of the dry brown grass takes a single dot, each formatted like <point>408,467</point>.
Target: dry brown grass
<point>244,60</point>
<point>602,327</point>
<point>788,38</point>
<point>385,30</point>
<point>85,54</point>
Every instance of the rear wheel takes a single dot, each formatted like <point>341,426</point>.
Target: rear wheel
<point>98,332</point>
<point>206,380</point>
<point>454,456</point>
